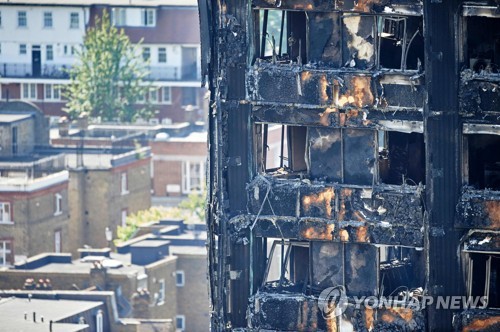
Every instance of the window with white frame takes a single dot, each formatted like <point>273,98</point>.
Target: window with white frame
<point>49,52</point>
<point>179,278</point>
<point>47,20</point>
<point>161,291</point>
<point>124,183</point>
<point>23,49</point>
<point>99,321</point>
<point>148,17</point>
<point>58,241</point>
<point>153,95</point>
<point>52,92</point>
<point>166,95</point>
<point>124,217</point>
<point>119,16</point>
<point>74,20</point>
<point>6,257</point>
<point>5,212</point>
<point>192,176</point>
<point>29,91</point>
<point>180,322</point>
<point>146,53</point>
<point>22,19</point>
<point>162,55</point>
<point>58,204</point>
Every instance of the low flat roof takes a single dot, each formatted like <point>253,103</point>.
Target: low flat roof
<point>149,243</point>
<point>12,312</point>
<point>11,118</point>
<point>188,250</point>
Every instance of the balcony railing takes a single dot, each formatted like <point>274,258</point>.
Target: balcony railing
<point>27,70</point>
<point>173,73</point>
<point>156,73</point>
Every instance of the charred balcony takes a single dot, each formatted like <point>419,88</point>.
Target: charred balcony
<point>480,62</point>
<point>298,271</point>
<point>479,205</point>
<point>405,7</point>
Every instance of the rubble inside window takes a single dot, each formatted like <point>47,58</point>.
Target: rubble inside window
<point>282,149</point>
<point>483,44</point>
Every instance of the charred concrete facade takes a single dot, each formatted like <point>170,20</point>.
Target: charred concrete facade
<point>389,165</point>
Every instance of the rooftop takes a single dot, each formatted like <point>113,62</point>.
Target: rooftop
<point>188,250</point>
<point>13,310</point>
<point>11,118</point>
<point>21,183</point>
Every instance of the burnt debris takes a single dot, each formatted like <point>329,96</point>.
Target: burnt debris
<point>353,144</point>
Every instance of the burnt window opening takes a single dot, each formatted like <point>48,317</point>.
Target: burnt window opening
<point>401,158</point>
<point>482,44</point>
<point>482,161</point>
<point>281,35</point>
<point>483,273</point>
<point>282,148</point>
<point>342,155</point>
<point>287,265</point>
<point>401,43</point>
<point>401,270</point>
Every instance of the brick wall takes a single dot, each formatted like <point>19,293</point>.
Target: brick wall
<point>192,299</point>
<point>168,157</point>
<point>34,221</point>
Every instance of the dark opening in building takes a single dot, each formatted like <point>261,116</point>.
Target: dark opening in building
<point>281,35</point>
<point>483,277</point>
<point>401,270</point>
<point>401,43</point>
<point>282,148</point>
<point>483,161</point>
<point>482,44</point>
<point>401,158</point>
<point>287,265</point>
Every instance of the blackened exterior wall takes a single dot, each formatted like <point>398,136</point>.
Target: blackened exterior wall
<point>382,110</point>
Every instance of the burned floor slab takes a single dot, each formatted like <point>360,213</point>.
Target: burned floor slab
<point>295,209</point>
<point>312,85</point>
<point>298,312</point>
<point>478,320</point>
<point>479,209</point>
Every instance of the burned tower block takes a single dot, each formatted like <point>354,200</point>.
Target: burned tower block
<point>354,145</point>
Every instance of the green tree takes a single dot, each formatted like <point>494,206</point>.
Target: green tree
<point>192,209</point>
<point>108,79</point>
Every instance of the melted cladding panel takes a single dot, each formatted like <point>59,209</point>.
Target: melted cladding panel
<point>325,146</point>
<point>359,156</point>
<point>328,264</point>
<point>324,39</point>
<point>358,41</point>
<point>361,269</point>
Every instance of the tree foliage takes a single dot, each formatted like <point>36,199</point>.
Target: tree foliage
<point>192,209</point>
<point>108,80</point>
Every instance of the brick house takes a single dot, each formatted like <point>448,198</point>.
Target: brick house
<point>40,41</point>
<point>179,163</point>
<point>103,190</point>
<point>34,211</point>
<point>170,265</point>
